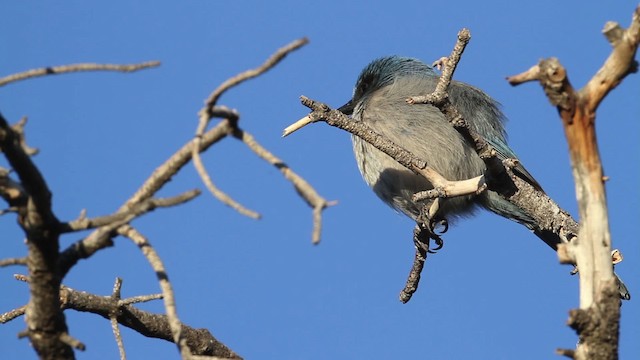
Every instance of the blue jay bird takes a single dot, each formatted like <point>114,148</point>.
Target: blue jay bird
<point>379,101</point>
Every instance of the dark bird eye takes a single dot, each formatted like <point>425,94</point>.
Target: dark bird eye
<point>364,84</point>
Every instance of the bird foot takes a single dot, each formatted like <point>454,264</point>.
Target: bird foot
<point>429,227</point>
<point>423,235</point>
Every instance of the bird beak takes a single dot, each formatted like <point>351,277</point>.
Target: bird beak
<point>346,109</point>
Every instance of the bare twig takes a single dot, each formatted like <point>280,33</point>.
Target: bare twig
<point>306,191</point>
<point>440,99</point>
<point>113,317</point>
<point>83,223</point>
<point>167,291</point>
<point>532,74</point>
<point>71,341</point>
<point>620,63</point>
<point>174,164</point>
<point>19,128</point>
<point>116,333</point>
<point>140,299</point>
<point>76,68</point>
<point>12,192</point>
<point>450,65</point>
<point>13,261</point>
<point>413,280</point>
<point>208,112</point>
<point>272,61</point>
<point>21,277</point>
<point>216,192</point>
<point>232,117</point>
<point>200,341</point>
<point>104,234</point>
<point>10,315</point>
<point>30,177</point>
<point>101,237</point>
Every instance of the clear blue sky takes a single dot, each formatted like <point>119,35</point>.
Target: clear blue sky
<point>493,292</point>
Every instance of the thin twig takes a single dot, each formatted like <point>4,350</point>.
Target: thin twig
<point>413,280</point>
<point>207,113</point>
<point>13,261</point>
<point>82,223</point>
<point>113,318</point>
<point>71,341</point>
<point>54,70</point>
<point>306,191</point>
<point>116,333</point>
<point>30,176</point>
<point>10,315</point>
<point>140,299</point>
<point>231,117</point>
<point>272,61</point>
<point>103,235</point>
<point>216,192</point>
<point>167,291</point>
<point>19,128</point>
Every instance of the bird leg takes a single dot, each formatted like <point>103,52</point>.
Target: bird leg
<point>429,221</point>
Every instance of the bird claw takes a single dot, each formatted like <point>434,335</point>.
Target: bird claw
<point>430,229</point>
<point>422,240</point>
<point>439,223</point>
<point>424,234</point>
<point>440,63</point>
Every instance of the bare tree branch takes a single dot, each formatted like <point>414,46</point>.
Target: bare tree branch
<point>208,112</point>
<point>10,315</point>
<point>273,60</point>
<point>46,326</point>
<point>82,223</point>
<point>167,291</point>
<point>113,317</point>
<point>200,341</point>
<point>101,237</point>
<point>597,319</point>
<point>306,191</point>
<point>13,261</point>
<point>54,70</point>
<point>31,199</point>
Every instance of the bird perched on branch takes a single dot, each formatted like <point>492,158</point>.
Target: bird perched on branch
<point>379,100</point>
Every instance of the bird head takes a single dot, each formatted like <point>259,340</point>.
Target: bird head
<point>382,72</point>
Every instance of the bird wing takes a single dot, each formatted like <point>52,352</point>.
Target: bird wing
<point>504,152</point>
<point>484,116</point>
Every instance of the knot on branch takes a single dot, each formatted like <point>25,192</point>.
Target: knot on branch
<point>554,81</point>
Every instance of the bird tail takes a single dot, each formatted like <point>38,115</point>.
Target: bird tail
<point>495,203</point>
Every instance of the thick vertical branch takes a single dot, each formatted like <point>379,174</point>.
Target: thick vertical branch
<point>597,319</point>
<point>46,327</point>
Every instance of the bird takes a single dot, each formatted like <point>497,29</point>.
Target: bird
<point>379,101</point>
